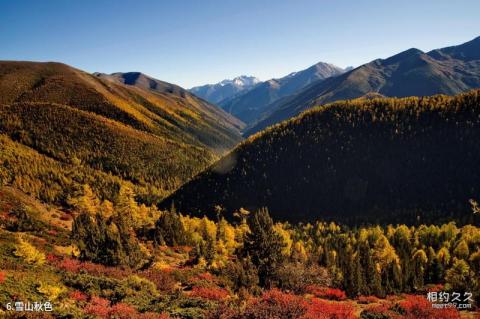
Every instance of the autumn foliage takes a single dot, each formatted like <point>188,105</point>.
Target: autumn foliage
<point>75,266</point>
<point>326,293</point>
<point>418,307</point>
<point>102,308</point>
<point>277,304</point>
<point>211,293</point>
<point>321,309</point>
<point>78,296</point>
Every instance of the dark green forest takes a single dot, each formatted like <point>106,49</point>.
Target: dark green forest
<point>410,160</point>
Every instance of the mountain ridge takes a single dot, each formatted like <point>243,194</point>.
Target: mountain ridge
<point>215,93</point>
<point>250,105</point>
<point>412,72</point>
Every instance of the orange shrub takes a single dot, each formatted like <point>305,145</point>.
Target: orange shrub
<point>122,311</point>
<point>418,307</point>
<point>100,307</point>
<point>78,296</point>
<point>326,293</point>
<point>69,264</point>
<point>321,309</point>
<point>3,276</point>
<point>275,304</point>
<point>211,293</point>
<point>75,266</point>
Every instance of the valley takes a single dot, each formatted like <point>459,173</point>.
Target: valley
<point>328,193</point>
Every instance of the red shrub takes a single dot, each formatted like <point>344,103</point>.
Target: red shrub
<point>224,311</point>
<point>152,315</point>
<point>52,259</point>
<point>98,307</point>
<point>212,293</point>
<point>75,266</point>
<point>101,308</point>
<point>3,276</point>
<point>326,293</point>
<point>276,304</point>
<point>321,309</point>
<point>78,296</point>
<point>69,264</point>
<point>122,311</point>
<point>418,307</point>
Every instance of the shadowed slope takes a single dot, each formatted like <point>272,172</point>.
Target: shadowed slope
<point>366,160</point>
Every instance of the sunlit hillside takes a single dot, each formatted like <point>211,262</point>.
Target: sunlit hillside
<point>87,130</point>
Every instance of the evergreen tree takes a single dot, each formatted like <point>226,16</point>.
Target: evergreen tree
<point>169,230</point>
<point>106,242</point>
<point>264,245</point>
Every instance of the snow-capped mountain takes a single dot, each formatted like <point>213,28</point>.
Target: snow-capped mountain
<point>215,93</point>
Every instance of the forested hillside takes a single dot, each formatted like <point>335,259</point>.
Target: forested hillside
<point>81,129</point>
<point>377,160</point>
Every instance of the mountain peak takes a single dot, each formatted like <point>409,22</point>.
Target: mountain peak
<point>404,55</point>
<point>241,80</point>
<point>227,88</point>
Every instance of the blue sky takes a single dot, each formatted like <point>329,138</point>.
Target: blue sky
<point>199,41</point>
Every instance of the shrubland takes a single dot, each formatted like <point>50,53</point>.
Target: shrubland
<point>164,264</point>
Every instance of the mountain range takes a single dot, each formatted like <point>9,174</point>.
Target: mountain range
<point>249,105</point>
<point>215,93</point>
<point>449,71</point>
<point>62,128</point>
